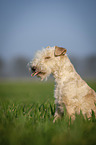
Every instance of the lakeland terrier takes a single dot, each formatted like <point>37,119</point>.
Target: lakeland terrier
<point>70,89</point>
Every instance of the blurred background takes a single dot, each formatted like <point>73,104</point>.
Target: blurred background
<point>29,25</point>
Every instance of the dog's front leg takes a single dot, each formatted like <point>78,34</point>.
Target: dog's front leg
<point>59,111</point>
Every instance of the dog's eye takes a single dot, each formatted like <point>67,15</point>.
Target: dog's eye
<point>47,57</point>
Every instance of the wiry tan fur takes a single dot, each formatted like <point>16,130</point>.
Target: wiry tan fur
<point>70,89</point>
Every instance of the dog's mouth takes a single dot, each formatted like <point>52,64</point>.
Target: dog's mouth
<point>37,73</point>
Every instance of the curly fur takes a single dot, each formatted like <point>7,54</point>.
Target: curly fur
<point>70,89</point>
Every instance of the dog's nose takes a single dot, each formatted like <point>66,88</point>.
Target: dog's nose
<point>33,68</point>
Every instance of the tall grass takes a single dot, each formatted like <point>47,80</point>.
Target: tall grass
<point>27,113</point>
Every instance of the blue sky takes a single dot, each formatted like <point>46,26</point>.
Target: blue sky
<point>27,25</point>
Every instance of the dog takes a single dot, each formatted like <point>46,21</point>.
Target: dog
<point>70,89</point>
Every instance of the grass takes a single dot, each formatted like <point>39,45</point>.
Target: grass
<point>26,117</point>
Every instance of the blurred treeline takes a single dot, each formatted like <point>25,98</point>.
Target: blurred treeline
<point>17,67</point>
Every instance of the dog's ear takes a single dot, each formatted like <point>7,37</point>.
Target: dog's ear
<point>59,51</point>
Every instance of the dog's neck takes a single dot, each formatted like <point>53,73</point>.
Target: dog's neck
<point>64,70</point>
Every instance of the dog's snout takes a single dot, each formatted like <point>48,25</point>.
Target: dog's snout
<point>33,68</point>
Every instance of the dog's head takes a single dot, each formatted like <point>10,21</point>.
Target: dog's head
<point>46,61</point>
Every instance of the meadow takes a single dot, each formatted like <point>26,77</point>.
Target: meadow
<point>27,112</point>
